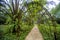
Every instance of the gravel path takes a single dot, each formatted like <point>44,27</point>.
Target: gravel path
<point>34,34</point>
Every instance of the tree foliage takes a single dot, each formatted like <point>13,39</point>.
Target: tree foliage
<point>56,12</point>
<point>28,12</point>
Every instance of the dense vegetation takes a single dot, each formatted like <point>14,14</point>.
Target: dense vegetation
<point>17,20</point>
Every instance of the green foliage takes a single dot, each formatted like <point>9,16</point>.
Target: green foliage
<point>25,19</point>
<point>6,35</point>
<point>56,12</point>
<point>43,2</point>
<point>45,29</point>
<point>34,10</point>
<point>48,31</point>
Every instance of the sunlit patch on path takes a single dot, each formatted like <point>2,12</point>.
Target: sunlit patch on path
<point>34,34</point>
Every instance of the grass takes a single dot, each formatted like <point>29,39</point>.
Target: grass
<point>8,36</point>
<point>47,32</point>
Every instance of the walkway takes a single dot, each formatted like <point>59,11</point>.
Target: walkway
<point>34,34</point>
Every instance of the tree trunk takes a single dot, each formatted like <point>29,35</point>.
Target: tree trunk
<point>54,24</point>
<point>18,24</point>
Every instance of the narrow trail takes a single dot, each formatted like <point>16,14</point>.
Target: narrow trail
<point>34,34</point>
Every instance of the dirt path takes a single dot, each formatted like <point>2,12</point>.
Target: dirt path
<point>34,34</point>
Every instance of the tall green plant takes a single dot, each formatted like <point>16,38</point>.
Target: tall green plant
<point>12,10</point>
